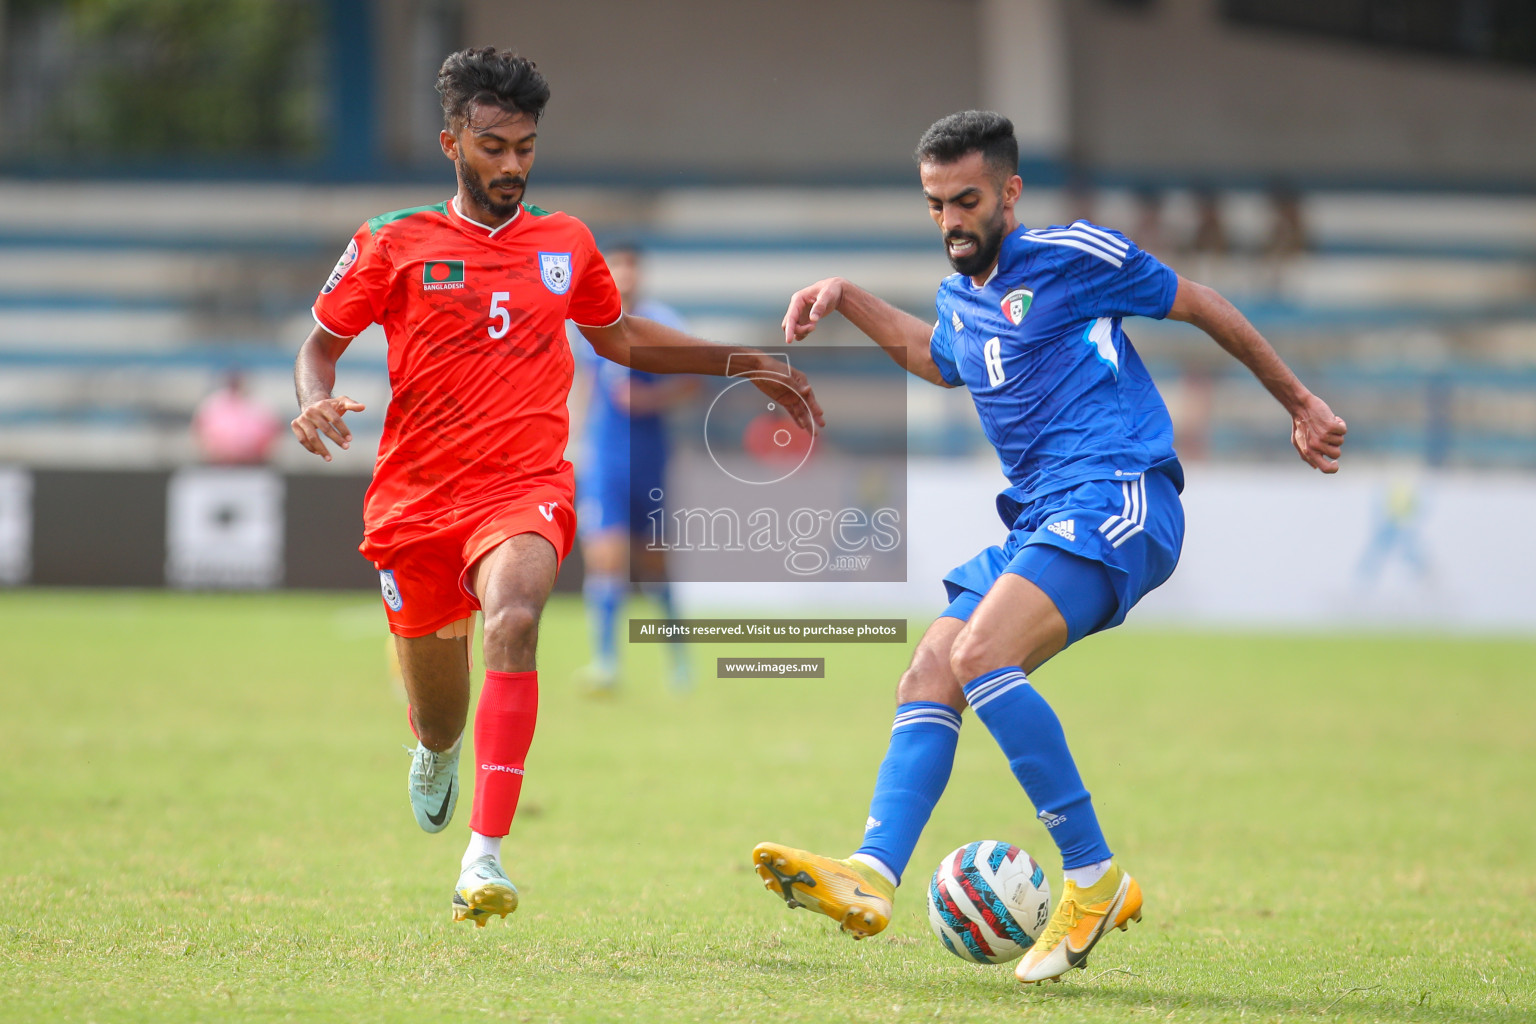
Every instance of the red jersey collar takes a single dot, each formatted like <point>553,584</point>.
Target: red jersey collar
<point>490,232</point>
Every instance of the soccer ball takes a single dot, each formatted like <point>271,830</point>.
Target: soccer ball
<point>988,902</point>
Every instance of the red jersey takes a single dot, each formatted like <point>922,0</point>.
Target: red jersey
<point>479,364</point>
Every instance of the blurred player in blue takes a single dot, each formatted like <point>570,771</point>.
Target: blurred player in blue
<point>1031,324</point>
<point>621,481</point>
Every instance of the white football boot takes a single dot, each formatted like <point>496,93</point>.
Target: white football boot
<point>434,785</point>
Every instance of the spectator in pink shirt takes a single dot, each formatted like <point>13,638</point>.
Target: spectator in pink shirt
<point>233,429</point>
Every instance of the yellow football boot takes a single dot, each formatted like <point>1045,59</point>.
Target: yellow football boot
<point>853,894</point>
<point>484,889</point>
<point>1081,919</point>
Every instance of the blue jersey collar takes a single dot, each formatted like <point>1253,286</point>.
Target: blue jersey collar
<point>997,267</point>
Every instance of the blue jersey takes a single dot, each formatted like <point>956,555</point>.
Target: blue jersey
<point>609,428</point>
<point>1061,393</point>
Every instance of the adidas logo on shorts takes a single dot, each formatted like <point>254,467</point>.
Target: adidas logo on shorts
<point>1064,529</point>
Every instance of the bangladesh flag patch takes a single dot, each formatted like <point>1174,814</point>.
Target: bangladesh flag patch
<point>437,275</point>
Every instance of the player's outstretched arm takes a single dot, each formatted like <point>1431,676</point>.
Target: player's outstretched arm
<point>643,344</point>
<point>661,395</point>
<point>904,337</point>
<point>314,375</point>
<point>1315,431</point>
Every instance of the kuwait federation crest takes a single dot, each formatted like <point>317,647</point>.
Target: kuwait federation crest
<point>555,269</point>
<point>1016,304</point>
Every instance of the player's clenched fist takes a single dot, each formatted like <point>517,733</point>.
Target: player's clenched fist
<point>324,416</point>
<point>1318,435</point>
<point>808,305</point>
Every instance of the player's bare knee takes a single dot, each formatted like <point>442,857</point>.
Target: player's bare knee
<point>974,654</point>
<point>937,688</point>
<point>511,630</point>
<point>928,678</point>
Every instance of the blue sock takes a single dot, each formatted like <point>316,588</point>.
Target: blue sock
<point>1031,737</point>
<point>661,593</point>
<point>911,780</point>
<point>603,593</point>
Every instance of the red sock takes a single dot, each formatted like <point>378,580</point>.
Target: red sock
<point>504,720</point>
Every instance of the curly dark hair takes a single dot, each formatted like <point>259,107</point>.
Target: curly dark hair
<point>971,131</point>
<point>488,76</point>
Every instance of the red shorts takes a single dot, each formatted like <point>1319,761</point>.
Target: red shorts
<point>424,576</point>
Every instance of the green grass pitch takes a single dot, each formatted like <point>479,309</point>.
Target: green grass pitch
<point>203,817</point>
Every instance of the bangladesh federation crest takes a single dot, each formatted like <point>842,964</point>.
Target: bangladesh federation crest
<point>555,269</point>
<point>1016,304</point>
<point>391,592</point>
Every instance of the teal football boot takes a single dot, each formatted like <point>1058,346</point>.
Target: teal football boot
<point>434,786</point>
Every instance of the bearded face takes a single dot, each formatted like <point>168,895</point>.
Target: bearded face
<point>492,151</point>
<point>972,252</point>
<point>499,196</point>
<point>971,203</point>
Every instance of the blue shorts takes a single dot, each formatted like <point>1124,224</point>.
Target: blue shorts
<point>619,497</point>
<point>1095,550</point>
